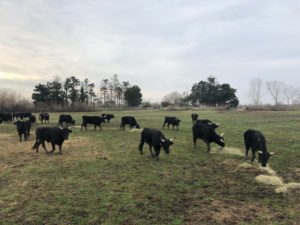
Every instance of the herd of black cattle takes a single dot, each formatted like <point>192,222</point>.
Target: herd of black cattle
<point>202,129</point>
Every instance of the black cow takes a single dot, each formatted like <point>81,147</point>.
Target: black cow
<point>6,117</point>
<point>174,121</point>
<point>194,117</point>
<point>32,120</point>
<point>23,128</point>
<point>107,117</point>
<point>208,122</point>
<point>207,134</point>
<point>54,135</point>
<point>95,120</point>
<point>21,115</point>
<point>65,118</point>
<point>44,117</point>
<point>154,138</point>
<point>257,142</point>
<point>129,120</point>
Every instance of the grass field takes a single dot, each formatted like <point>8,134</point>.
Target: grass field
<point>101,178</point>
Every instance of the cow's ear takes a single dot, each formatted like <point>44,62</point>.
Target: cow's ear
<point>162,140</point>
<point>61,128</point>
<point>260,152</point>
<point>222,135</point>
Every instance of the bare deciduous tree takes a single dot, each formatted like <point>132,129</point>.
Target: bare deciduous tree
<point>174,98</point>
<point>291,94</point>
<point>255,91</point>
<point>275,88</point>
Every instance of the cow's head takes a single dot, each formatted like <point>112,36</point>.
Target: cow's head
<point>137,126</point>
<point>165,143</point>
<point>73,122</point>
<point>66,132</point>
<point>263,157</point>
<point>220,140</point>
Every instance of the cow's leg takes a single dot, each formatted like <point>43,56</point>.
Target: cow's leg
<point>253,154</point>
<point>53,148</point>
<point>157,154</point>
<point>150,148</point>
<point>38,142</point>
<point>194,140</point>
<point>44,147</point>
<point>60,152</point>
<point>164,125</point>
<point>208,146</point>
<point>247,150</point>
<point>25,136</point>
<point>20,135</point>
<point>141,145</point>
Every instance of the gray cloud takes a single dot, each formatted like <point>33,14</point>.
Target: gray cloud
<point>162,46</point>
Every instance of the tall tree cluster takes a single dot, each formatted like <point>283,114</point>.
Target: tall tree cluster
<point>114,92</point>
<point>65,93</point>
<point>72,90</point>
<point>211,93</point>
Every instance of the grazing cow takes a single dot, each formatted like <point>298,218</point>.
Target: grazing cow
<point>95,120</point>
<point>174,121</point>
<point>194,117</point>
<point>21,115</point>
<point>208,122</point>
<point>207,134</point>
<point>257,142</point>
<point>44,117</point>
<point>32,120</point>
<point>6,117</point>
<point>23,128</point>
<point>107,117</point>
<point>129,120</point>
<point>154,138</point>
<point>67,119</point>
<point>54,135</point>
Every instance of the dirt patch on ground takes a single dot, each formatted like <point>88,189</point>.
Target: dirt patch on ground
<point>227,211</point>
<point>227,150</point>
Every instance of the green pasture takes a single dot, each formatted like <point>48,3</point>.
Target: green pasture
<point>101,178</point>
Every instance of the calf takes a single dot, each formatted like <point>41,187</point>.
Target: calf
<point>257,142</point>
<point>95,120</point>
<point>44,117</point>
<point>32,120</point>
<point>174,121</point>
<point>54,135</point>
<point>207,134</point>
<point>156,139</point>
<point>107,117</point>
<point>23,128</point>
<point>194,117</point>
<point>129,120</point>
<point>65,118</point>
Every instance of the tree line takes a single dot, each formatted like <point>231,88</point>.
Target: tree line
<point>72,91</point>
<point>279,92</point>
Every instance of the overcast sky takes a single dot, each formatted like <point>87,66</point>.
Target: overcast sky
<point>160,45</point>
